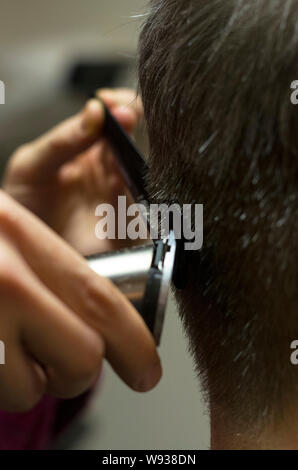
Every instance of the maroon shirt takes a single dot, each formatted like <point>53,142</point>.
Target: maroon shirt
<point>37,429</point>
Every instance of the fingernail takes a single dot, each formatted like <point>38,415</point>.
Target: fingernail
<point>150,379</point>
<point>92,118</point>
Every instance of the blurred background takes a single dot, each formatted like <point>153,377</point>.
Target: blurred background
<point>52,56</point>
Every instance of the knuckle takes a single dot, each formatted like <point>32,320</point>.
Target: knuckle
<point>12,279</point>
<point>89,363</point>
<point>9,214</point>
<point>9,273</point>
<point>14,286</point>
<point>57,142</point>
<point>102,301</point>
<point>5,210</point>
<point>5,276</point>
<point>17,159</point>
<point>20,153</point>
<point>5,216</point>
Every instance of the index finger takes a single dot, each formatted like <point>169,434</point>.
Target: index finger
<point>129,346</point>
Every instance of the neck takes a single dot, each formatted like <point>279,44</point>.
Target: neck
<point>278,435</point>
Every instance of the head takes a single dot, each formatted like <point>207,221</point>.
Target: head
<point>215,80</point>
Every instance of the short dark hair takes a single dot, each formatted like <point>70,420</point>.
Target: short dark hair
<point>215,79</point>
